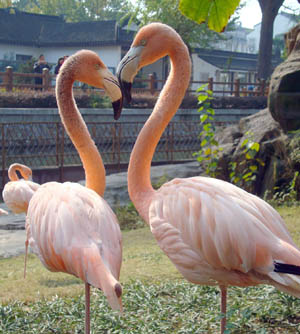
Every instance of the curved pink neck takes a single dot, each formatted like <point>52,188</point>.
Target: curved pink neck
<point>79,134</point>
<point>139,182</point>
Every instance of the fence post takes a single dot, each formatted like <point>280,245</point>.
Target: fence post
<point>211,84</point>
<point>262,87</point>
<point>46,79</point>
<point>151,84</point>
<point>8,79</point>
<point>237,87</point>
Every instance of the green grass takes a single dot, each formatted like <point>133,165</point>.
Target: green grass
<point>156,299</point>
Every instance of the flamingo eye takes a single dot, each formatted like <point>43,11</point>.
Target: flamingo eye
<point>143,42</point>
<point>97,66</point>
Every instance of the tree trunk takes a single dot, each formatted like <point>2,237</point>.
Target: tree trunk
<point>269,9</point>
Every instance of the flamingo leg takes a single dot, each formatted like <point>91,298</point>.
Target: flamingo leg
<point>223,307</point>
<point>25,260</point>
<point>87,308</point>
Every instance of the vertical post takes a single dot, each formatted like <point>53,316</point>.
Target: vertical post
<point>3,155</point>
<point>262,87</point>
<point>211,84</point>
<point>119,145</point>
<point>8,79</point>
<point>151,84</point>
<point>237,87</point>
<point>62,151</point>
<point>45,79</point>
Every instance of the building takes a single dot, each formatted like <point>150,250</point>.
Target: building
<point>26,35</point>
<point>282,24</point>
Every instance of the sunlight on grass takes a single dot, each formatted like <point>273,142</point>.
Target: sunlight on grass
<point>156,299</point>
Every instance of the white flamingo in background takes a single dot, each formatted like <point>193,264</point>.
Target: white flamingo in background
<point>71,227</point>
<point>214,232</point>
<point>18,192</point>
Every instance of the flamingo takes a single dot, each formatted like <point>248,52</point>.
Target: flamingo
<point>71,227</point>
<point>18,192</point>
<point>214,232</point>
<point>3,212</point>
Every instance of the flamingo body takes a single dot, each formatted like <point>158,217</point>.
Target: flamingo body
<point>213,231</point>
<point>73,230</point>
<point>218,234</point>
<point>70,227</point>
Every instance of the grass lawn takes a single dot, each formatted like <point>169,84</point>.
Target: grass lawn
<point>155,298</point>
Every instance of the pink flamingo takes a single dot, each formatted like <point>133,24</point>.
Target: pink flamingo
<point>18,192</point>
<point>71,227</point>
<point>3,212</point>
<point>214,232</point>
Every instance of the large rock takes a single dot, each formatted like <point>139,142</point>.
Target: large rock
<point>284,93</point>
<point>260,128</point>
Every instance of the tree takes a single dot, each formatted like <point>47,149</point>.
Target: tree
<point>269,10</point>
<point>216,13</point>
<point>166,11</point>
<point>76,10</point>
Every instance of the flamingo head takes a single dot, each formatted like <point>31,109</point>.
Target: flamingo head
<point>151,43</point>
<point>86,66</point>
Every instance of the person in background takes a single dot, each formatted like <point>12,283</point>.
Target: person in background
<point>58,65</point>
<point>38,68</point>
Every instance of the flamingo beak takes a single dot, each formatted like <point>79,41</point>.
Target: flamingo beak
<point>113,90</point>
<point>127,70</point>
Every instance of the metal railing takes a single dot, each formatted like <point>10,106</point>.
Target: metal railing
<point>10,80</point>
<point>47,145</point>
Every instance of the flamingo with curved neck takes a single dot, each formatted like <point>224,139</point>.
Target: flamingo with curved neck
<point>18,192</point>
<point>70,227</point>
<point>214,232</point>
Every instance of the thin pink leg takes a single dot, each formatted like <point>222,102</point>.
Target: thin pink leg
<point>25,260</point>
<point>87,308</point>
<point>223,307</point>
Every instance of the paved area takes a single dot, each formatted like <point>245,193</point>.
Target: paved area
<point>12,226</point>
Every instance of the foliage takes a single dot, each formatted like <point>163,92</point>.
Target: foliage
<point>128,217</point>
<point>285,195</point>
<point>167,307</point>
<point>38,99</point>
<point>210,149</point>
<point>215,13</point>
<point>26,68</point>
<point>76,10</point>
<point>243,173</point>
<point>166,11</point>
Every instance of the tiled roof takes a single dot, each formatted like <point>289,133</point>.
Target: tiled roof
<point>23,28</point>
<point>227,60</point>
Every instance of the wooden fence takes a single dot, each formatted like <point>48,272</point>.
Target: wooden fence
<point>10,80</point>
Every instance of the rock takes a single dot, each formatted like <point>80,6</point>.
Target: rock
<point>263,129</point>
<point>284,92</point>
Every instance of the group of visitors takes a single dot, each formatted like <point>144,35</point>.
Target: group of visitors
<point>41,64</point>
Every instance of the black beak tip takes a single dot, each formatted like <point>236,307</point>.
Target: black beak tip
<point>117,106</point>
<point>126,86</point>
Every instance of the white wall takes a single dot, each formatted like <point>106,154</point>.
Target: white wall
<point>110,55</point>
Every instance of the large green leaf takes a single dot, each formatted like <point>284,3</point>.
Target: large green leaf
<point>215,13</point>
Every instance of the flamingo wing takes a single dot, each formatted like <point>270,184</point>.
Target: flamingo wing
<point>17,194</point>
<point>71,227</point>
<point>209,227</point>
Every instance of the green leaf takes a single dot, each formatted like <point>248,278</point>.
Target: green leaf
<point>203,118</point>
<point>245,142</point>
<point>253,168</point>
<point>215,13</point>
<point>255,146</point>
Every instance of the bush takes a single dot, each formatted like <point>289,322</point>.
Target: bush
<point>39,99</point>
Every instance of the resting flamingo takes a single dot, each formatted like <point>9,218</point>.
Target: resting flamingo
<point>71,227</point>
<point>18,192</point>
<point>3,212</point>
<point>214,232</point>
